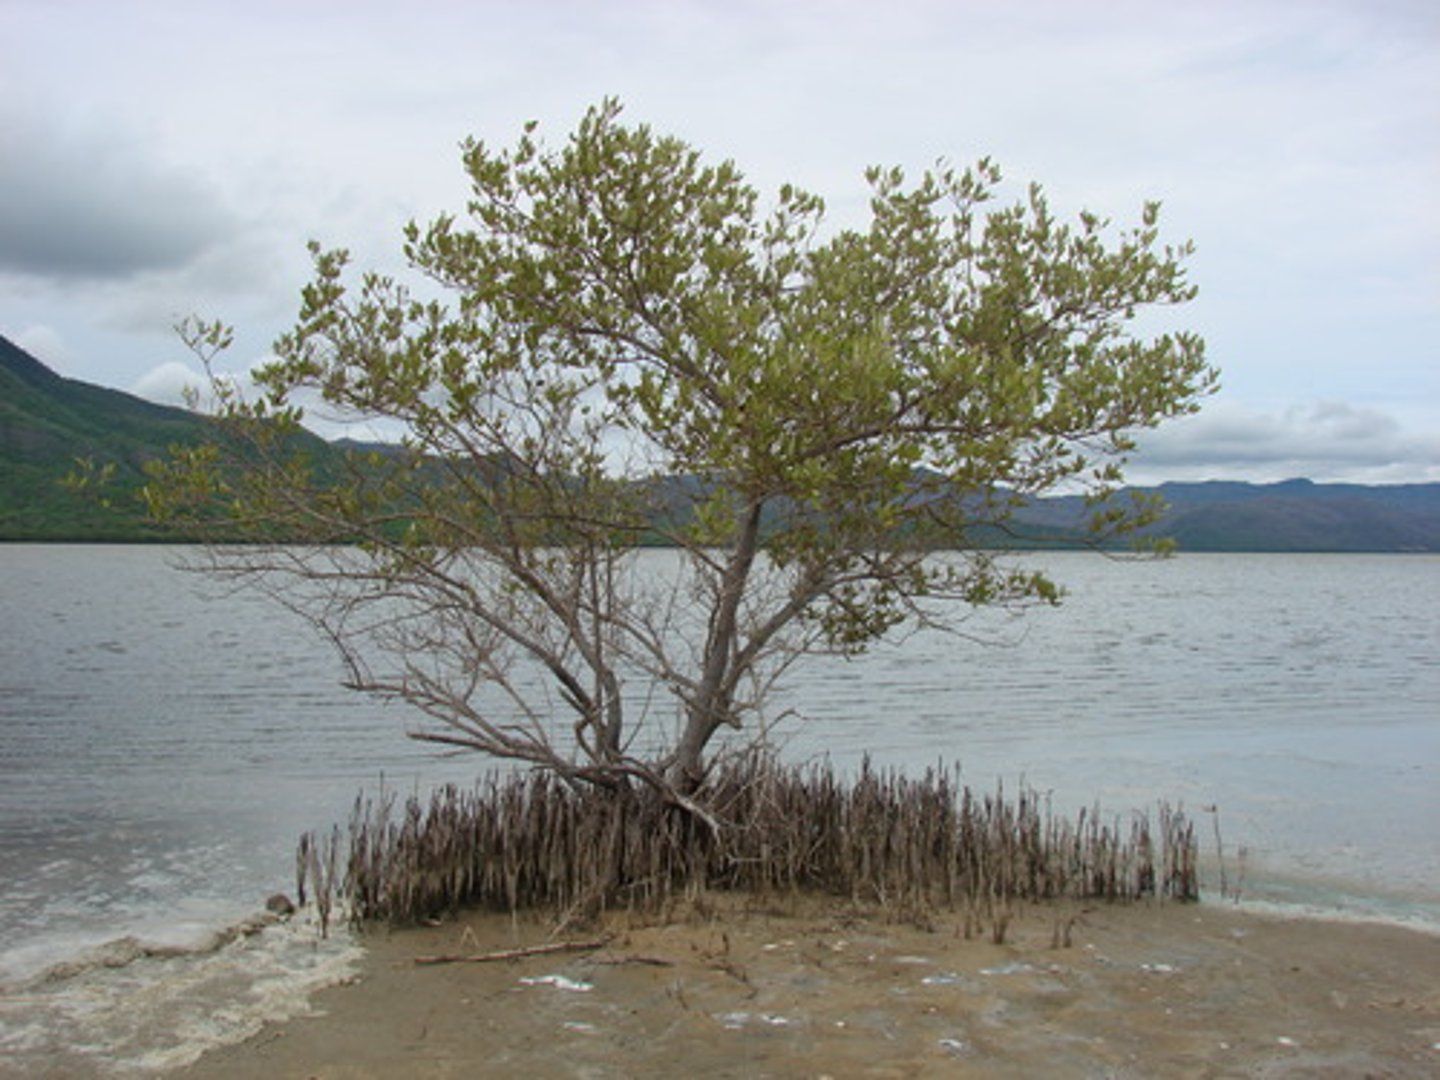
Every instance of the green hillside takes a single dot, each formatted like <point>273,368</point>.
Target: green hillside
<point>47,424</point>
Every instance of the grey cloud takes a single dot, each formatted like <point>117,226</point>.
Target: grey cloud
<point>94,206</point>
<point>1322,440</point>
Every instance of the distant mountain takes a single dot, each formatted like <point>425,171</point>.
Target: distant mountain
<point>47,422</point>
<point>1298,515</point>
<point>1290,516</point>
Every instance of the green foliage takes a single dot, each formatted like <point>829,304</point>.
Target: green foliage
<point>840,402</point>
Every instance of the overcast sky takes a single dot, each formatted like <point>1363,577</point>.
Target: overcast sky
<point>159,159</point>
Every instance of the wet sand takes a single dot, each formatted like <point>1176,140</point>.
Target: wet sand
<point>817,990</point>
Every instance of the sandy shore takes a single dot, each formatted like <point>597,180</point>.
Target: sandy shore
<point>1143,991</point>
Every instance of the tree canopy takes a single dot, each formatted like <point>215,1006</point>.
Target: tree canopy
<point>619,344</point>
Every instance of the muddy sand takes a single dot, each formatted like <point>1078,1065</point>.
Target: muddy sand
<point>816,991</point>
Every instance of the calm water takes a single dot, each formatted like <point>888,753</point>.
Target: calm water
<point>163,743</point>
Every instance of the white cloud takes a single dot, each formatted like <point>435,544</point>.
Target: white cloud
<point>46,345</point>
<point>183,385</point>
<point>170,383</point>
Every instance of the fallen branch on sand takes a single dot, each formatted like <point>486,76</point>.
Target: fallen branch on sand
<point>516,954</point>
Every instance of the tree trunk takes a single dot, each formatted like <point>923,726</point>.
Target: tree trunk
<point>712,706</point>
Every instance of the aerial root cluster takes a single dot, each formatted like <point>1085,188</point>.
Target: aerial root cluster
<point>913,846</point>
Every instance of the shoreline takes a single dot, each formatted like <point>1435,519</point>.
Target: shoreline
<point>816,987</point>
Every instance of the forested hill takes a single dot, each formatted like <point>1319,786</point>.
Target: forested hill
<point>47,422</point>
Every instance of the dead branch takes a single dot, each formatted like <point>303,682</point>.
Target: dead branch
<point>516,954</point>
